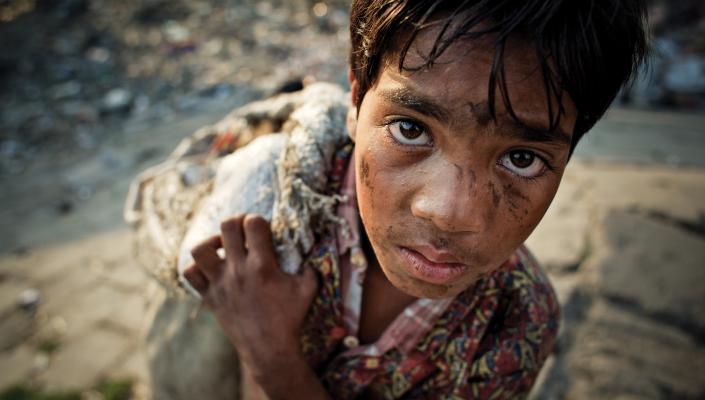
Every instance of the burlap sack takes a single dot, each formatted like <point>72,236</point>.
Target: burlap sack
<point>272,157</point>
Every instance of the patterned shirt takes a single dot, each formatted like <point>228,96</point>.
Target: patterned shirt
<point>490,341</point>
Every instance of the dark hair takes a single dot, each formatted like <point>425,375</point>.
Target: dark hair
<point>587,48</point>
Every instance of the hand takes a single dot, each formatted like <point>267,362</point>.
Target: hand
<point>260,307</point>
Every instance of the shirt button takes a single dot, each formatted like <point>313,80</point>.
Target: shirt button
<point>351,341</point>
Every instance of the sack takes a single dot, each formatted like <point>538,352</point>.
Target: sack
<point>273,157</point>
<point>206,179</point>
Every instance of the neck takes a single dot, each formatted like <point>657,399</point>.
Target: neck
<point>381,301</point>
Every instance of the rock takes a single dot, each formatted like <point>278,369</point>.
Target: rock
<point>29,299</point>
<point>175,32</point>
<point>618,354</point>
<point>561,240</point>
<point>655,269</point>
<point>117,100</point>
<point>66,90</point>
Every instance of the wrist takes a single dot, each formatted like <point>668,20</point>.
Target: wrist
<point>274,362</point>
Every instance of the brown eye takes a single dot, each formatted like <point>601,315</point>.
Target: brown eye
<point>524,163</point>
<point>522,158</point>
<point>410,130</point>
<point>409,133</point>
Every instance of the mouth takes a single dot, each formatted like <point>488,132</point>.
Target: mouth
<point>433,267</point>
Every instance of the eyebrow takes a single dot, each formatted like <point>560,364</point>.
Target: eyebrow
<point>407,98</point>
<point>530,133</point>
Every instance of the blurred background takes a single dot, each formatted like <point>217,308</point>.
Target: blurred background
<point>94,91</point>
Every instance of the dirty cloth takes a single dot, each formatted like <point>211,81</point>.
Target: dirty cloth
<point>278,167</point>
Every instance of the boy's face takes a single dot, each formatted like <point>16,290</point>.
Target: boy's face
<point>446,194</point>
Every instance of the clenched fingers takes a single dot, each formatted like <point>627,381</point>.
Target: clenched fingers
<point>206,257</point>
<point>195,277</point>
<point>258,236</point>
<point>234,239</point>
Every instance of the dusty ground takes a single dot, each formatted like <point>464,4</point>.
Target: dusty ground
<point>623,243</point>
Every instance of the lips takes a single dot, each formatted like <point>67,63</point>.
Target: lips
<point>432,266</point>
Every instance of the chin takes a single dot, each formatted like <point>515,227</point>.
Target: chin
<point>420,289</point>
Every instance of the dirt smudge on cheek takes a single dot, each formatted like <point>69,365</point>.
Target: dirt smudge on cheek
<point>365,172</point>
<point>496,197</point>
<point>472,178</point>
<point>514,196</point>
<point>458,171</point>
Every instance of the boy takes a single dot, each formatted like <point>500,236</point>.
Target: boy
<point>464,117</point>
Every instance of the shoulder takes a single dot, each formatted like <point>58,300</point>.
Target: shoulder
<point>524,325</point>
<point>526,291</point>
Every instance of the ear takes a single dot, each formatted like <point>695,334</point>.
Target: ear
<point>352,111</point>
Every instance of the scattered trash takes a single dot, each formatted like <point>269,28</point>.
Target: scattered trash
<point>66,90</point>
<point>117,100</point>
<point>29,299</point>
<point>176,33</point>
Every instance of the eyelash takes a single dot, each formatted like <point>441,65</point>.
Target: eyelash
<point>387,126</point>
<point>547,167</point>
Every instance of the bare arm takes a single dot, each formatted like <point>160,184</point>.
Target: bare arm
<point>260,308</point>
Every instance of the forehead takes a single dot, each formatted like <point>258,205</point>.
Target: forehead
<point>460,78</point>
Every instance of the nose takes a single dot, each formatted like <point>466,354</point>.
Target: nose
<point>454,200</point>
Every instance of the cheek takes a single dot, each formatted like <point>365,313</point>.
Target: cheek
<point>522,207</point>
<point>380,182</point>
